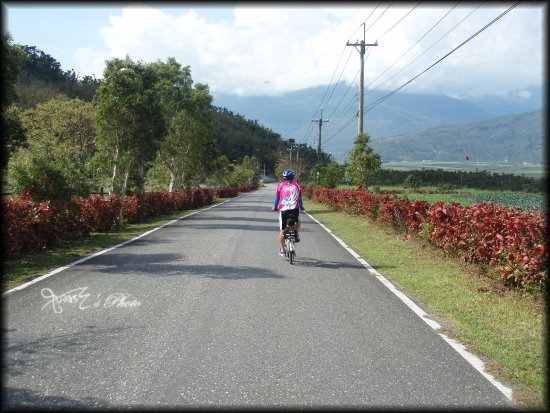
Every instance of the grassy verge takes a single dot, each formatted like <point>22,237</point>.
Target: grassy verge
<point>505,328</point>
<point>35,264</point>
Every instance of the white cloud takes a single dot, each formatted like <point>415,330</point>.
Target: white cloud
<point>91,62</point>
<point>524,95</point>
<point>272,50</point>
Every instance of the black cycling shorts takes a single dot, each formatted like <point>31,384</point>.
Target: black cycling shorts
<point>285,214</point>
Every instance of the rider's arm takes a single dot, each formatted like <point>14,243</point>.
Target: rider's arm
<point>276,204</point>
<point>301,203</point>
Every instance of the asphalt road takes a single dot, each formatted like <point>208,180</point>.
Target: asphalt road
<point>204,312</point>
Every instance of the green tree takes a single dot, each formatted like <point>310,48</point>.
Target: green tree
<point>364,161</point>
<point>185,150</point>
<point>251,164</point>
<point>221,173</point>
<point>42,176</point>
<point>67,123</point>
<point>13,57</point>
<point>129,119</point>
<point>60,142</point>
<point>331,175</point>
<point>12,132</point>
<point>412,181</point>
<point>189,149</point>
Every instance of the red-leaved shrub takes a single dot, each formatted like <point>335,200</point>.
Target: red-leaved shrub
<point>512,241</point>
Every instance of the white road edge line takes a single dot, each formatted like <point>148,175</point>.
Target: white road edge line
<point>89,257</point>
<point>475,361</point>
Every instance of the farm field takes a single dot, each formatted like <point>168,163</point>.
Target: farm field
<point>529,170</point>
<point>467,196</point>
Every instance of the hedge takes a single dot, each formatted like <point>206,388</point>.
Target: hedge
<point>512,241</point>
<point>32,226</point>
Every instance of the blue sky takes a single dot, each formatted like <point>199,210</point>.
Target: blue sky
<point>250,49</point>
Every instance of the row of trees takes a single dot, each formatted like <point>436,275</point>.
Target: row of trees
<point>364,163</point>
<point>146,126</point>
<point>143,126</point>
<point>459,179</point>
<point>333,174</point>
<point>41,78</point>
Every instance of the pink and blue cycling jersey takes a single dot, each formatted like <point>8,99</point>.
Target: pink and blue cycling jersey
<point>288,195</point>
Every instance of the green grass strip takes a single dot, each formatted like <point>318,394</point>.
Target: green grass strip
<point>503,327</point>
<point>35,264</point>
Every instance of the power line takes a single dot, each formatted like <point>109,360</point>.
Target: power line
<point>387,96</point>
<point>425,51</point>
<point>309,130</point>
<point>383,98</point>
<point>306,135</point>
<point>348,123</point>
<point>368,17</point>
<point>384,12</point>
<point>337,82</point>
<point>410,48</point>
<point>400,20</point>
<point>320,122</point>
<point>347,90</point>
<point>368,54</point>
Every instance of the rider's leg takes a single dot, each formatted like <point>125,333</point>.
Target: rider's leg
<point>281,233</point>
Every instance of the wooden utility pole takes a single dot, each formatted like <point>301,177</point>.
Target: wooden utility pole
<point>291,142</point>
<point>361,85</point>
<point>320,122</point>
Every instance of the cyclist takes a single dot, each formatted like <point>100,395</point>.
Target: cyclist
<point>288,200</point>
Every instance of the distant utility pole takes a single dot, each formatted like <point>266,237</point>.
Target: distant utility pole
<point>320,122</point>
<point>361,86</point>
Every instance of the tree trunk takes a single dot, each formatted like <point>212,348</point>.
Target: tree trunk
<point>173,179</point>
<point>141,171</point>
<point>124,187</point>
<point>113,178</point>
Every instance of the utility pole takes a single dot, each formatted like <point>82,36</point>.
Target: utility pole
<point>320,122</point>
<point>361,86</point>
<point>291,142</point>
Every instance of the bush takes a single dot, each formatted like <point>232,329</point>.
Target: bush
<point>412,181</point>
<point>511,241</point>
<point>447,187</point>
<point>30,225</point>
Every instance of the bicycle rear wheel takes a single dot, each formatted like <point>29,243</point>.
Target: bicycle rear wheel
<point>291,250</point>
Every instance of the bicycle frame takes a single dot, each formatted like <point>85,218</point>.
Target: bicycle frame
<point>290,244</point>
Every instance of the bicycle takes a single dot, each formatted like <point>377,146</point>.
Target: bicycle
<point>290,243</point>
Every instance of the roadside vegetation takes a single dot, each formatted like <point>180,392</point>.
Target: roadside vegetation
<point>31,264</point>
<point>467,196</point>
<point>469,245</point>
<point>90,163</point>
<point>505,326</point>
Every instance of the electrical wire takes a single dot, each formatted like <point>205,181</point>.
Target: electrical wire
<point>338,81</point>
<point>425,51</point>
<point>410,48</point>
<point>369,52</point>
<point>400,20</point>
<point>310,126</point>
<point>384,12</point>
<point>387,96</point>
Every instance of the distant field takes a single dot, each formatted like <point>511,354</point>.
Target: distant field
<point>534,170</point>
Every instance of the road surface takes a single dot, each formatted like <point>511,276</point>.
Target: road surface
<point>204,312</point>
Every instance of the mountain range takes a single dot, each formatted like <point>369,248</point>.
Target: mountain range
<point>509,130</point>
<point>512,138</point>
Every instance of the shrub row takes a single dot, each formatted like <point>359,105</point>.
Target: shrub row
<point>512,241</point>
<point>420,191</point>
<point>31,226</point>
